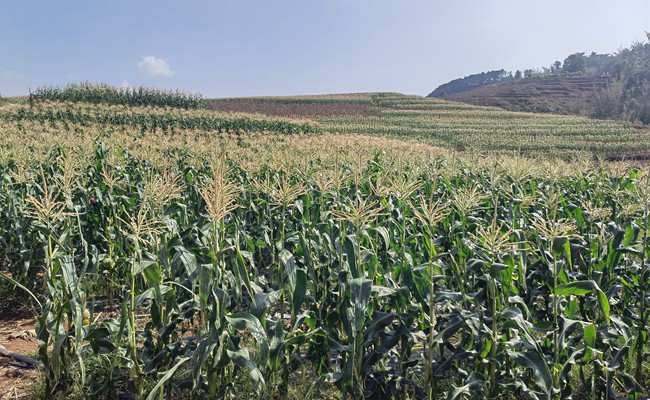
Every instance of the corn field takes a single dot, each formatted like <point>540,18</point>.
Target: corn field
<point>195,265</point>
<point>465,127</point>
<point>148,118</point>
<point>101,93</point>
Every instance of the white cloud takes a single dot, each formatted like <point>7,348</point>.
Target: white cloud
<point>11,75</point>
<point>125,84</point>
<point>13,83</point>
<point>155,67</point>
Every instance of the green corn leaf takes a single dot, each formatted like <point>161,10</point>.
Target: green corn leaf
<point>581,288</point>
<point>167,376</point>
<point>242,271</point>
<point>578,288</point>
<point>350,251</point>
<point>590,335</point>
<point>152,275</point>
<point>299,291</point>
<point>241,357</point>
<point>539,368</point>
<point>474,386</point>
<point>16,283</point>
<point>297,281</point>
<point>385,235</point>
<point>360,290</point>
<point>242,321</point>
<point>188,260</point>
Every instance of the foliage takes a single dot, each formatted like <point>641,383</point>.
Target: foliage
<point>467,127</point>
<point>189,264</point>
<point>153,119</point>
<point>625,98</point>
<point>132,96</point>
<point>575,63</point>
<point>471,82</point>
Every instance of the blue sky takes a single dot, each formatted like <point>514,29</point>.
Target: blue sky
<point>283,47</point>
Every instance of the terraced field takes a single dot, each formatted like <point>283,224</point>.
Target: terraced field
<point>454,125</point>
<point>439,123</point>
<point>560,95</point>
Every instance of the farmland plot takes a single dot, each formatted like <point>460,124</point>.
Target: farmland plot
<point>189,262</point>
<point>453,125</point>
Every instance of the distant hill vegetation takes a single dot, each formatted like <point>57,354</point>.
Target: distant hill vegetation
<point>607,86</point>
<point>472,82</point>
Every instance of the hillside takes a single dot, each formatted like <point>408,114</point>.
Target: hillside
<point>449,124</point>
<point>559,95</point>
<point>472,82</point>
<point>434,122</point>
<point>605,86</point>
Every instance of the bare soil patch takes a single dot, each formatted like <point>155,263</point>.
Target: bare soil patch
<point>293,108</point>
<point>17,334</point>
<point>641,157</point>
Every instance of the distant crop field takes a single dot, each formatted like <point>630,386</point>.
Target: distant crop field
<point>301,108</point>
<point>454,125</point>
<point>153,119</point>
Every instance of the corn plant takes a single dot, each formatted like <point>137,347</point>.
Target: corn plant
<point>195,263</point>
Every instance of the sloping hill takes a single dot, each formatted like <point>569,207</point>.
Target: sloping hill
<point>559,95</point>
<point>604,86</point>
<point>460,126</point>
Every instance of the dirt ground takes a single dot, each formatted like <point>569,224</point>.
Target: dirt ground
<point>294,109</point>
<point>17,335</point>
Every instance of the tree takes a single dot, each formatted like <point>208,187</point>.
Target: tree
<point>575,63</point>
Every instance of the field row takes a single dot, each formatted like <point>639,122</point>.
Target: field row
<point>155,118</point>
<point>456,125</point>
